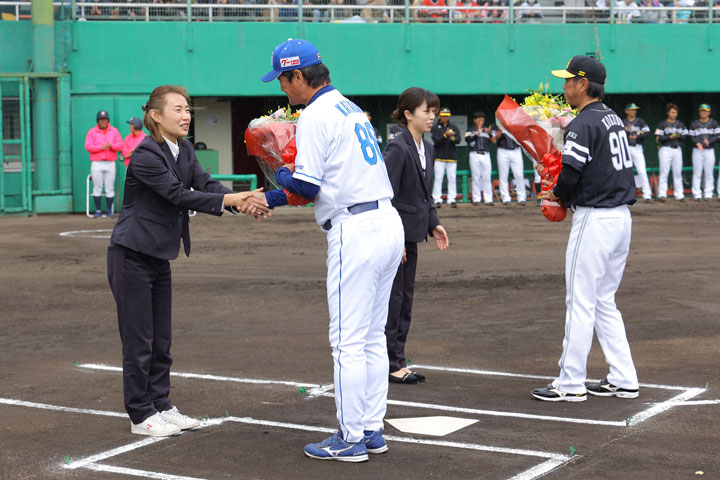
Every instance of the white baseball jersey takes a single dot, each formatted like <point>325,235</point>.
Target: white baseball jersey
<point>337,151</point>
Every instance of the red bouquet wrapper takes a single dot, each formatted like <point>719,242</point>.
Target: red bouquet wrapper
<point>538,144</point>
<point>273,143</point>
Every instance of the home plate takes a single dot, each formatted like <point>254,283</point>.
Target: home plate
<point>436,426</point>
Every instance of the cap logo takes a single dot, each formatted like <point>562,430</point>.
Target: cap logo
<point>581,73</point>
<point>289,61</point>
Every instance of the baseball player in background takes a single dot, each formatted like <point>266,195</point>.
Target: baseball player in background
<point>704,133</point>
<point>670,135</point>
<point>478,140</point>
<point>103,142</point>
<point>509,157</point>
<point>596,182</point>
<point>445,136</point>
<point>340,166</point>
<point>638,130</point>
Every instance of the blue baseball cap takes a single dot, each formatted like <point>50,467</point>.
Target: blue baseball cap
<point>292,55</point>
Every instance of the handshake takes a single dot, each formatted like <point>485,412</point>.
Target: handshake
<point>250,203</point>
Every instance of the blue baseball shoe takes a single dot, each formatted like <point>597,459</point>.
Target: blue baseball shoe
<point>374,442</point>
<point>335,448</point>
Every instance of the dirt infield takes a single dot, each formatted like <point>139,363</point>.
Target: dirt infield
<point>250,314</point>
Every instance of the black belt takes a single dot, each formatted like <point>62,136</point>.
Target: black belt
<point>481,151</point>
<point>672,146</point>
<point>354,210</point>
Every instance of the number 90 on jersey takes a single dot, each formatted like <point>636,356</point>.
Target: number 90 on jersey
<point>368,144</point>
<point>620,150</point>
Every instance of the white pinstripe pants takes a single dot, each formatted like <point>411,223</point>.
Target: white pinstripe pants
<point>594,264</point>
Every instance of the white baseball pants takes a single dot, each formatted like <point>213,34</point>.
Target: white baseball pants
<point>670,158</point>
<point>103,174</point>
<point>594,264</point>
<point>638,159</point>
<point>438,173</point>
<point>510,160</point>
<point>481,177</point>
<point>703,161</point>
<point>364,252</point>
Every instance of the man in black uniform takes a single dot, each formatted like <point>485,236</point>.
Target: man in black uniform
<point>478,140</point>
<point>445,136</point>
<point>704,132</point>
<point>637,131</point>
<point>670,135</point>
<point>509,157</point>
<point>596,182</point>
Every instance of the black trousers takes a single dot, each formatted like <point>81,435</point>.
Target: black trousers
<point>400,308</point>
<point>142,289</point>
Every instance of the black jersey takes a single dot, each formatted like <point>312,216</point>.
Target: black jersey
<point>445,146</point>
<point>478,141</point>
<point>596,145</point>
<point>637,130</point>
<point>505,141</point>
<point>671,134</point>
<point>699,132</point>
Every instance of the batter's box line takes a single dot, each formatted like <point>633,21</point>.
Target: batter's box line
<point>323,391</point>
<point>551,460</point>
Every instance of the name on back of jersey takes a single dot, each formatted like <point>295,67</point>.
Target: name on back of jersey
<point>612,120</point>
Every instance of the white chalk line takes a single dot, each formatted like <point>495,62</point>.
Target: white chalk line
<point>693,403</point>
<point>81,233</point>
<point>542,469</point>
<point>45,406</point>
<point>92,460</point>
<point>219,378</point>
<point>523,375</point>
<point>137,473</point>
<point>666,405</point>
<point>497,413</point>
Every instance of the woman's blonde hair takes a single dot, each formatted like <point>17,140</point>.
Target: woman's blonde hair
<point>157,102</point>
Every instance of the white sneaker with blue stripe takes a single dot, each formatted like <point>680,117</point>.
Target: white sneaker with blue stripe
<point>374,442</point>
<point>335,448</point>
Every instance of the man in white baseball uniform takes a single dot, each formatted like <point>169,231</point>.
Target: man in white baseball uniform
<point>597,183</point>
<point>339,166</point>
<point>670,135</point>
<point>478,140</point>
<point>509,157</point>
<point>704,133</point>
<point>638,130</point>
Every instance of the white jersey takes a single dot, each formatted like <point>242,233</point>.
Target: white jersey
<point>337,150</point>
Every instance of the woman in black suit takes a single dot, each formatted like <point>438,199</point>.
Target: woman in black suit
<point>154,218</point>
<point>409,162</point>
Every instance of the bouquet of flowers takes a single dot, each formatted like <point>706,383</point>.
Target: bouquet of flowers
<point>538,126</point>
<point>271,138</point>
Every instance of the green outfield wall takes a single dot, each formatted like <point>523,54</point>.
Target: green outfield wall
<point>114,65</point>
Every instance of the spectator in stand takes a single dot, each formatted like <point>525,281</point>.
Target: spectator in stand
<point>530,12</point>
<point>602,9</point>
<point>133,139</point>
<point>433,14</point>
<point>654,16</point>
<point>683,16</point>
<point>375,15</point>
<point>496,13</point>
<point>628,12</point>
<point>670,136</point>
<point>339,13</point>
<point>103,142</point>
<point>320,14</point>
<point>472,13</point>
<point>704,133</point>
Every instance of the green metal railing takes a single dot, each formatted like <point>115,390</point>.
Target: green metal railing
<point>237,178</point>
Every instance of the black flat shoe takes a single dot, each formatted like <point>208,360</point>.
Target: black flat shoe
<point>419,376</point>
<point>408,379</point>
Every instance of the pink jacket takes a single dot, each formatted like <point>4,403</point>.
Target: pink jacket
<point>95,140</point>
<point>130,143</point>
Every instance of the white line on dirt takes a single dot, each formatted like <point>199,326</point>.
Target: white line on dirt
<point>666,405</point>
<point>539,470</point>
<point>45,406</point>
<point>198,376</point>
<point>137,473</point>
<point>497,413</point>
<point>524,375</point>
<point>83,233</point>
<point>693,403</point>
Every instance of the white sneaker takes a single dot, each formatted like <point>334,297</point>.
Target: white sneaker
<point>156,426</point>
<point>176,418</point>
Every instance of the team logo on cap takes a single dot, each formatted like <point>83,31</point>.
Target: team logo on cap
<point>290,61</point>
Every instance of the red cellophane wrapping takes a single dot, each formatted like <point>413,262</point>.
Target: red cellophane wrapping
<point>538,144</point>
<point>273,143</point>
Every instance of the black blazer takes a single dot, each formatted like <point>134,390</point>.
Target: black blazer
<point>411,185</point>
<point>157,198</point>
